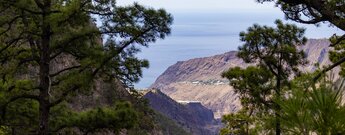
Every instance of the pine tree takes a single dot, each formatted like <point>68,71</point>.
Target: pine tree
<point>316,12</point>
<point>311,108</point>
<point>277,57</point>
<point>38,35</point>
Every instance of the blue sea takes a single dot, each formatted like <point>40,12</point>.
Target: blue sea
<point>202,34</point>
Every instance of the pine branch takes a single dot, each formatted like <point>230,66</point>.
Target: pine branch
<point>61,47</point>
<point>64,95</point>
<point>39,4</point>
<point>342,60</point>
<point>10,23</point>
<point>64,70</point>
<point>23,96</point>
<point>342,38</point>
<point>3,107</point>
<point>120,49</point>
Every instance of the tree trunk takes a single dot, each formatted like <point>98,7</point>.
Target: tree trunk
<point>277,108</point>
<point>43,117</point>
<point>277,114</point>
<point>44,103</point>
<point>44,88</point>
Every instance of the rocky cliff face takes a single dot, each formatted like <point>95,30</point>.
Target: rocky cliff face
<point>192,116</point>
<point>200,79</point>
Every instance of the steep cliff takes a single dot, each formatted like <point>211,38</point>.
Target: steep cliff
<point>191,115</point>
<point>105,92</point>
<point>199,79</point>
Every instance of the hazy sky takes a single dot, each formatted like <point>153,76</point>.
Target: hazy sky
<point>204,5</point>
<point>208,27</point>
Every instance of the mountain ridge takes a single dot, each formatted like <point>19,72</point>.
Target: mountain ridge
<point>191,116</point>
<point>200,78</point>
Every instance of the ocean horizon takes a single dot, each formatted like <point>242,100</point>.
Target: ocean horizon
<point>203,34</point>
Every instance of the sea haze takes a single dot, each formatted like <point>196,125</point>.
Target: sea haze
<point>202,34</point>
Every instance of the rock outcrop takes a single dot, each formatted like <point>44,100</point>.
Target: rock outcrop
<point>200,79</point>
<point>190,115</point>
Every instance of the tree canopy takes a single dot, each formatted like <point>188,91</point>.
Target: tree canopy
<point>313,11</point>
<point>314,109</point>
<point>53,50</point>
<point>275,54</point>
<point>302,107</point>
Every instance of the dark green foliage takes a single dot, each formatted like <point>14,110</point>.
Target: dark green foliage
<point>313,11</point>
<point>307,109</point>
<point>252,84</point>
<point>338,53</point>
<point>274,50</point>
<point>236,123</point>
<point>168,126</point>
<point>274,47</point>
<point>4,130</point>
<point>119,117</point>
<point>317,109</point>
<point>20,116</point>
<point>51,52</point>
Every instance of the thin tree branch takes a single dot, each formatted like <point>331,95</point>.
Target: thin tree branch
<point>73,14</point>
<point>64,95</point>
<point>39,4</point>
<point>120,49</point>
<point>26,60</point>
<point>342,60</point>
<point>64,70</point>
<point>30,39</point>
<point>62,45</point>
<point>265,62</point>
<point>98,13</point>
<point>9,24</point>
